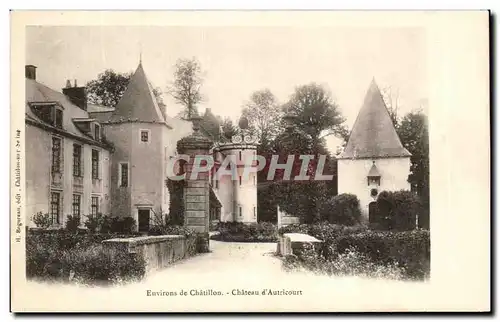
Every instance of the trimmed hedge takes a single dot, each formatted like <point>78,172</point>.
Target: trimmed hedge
<point>408,251</point>
<point>170,230</point>
<point>264,232</point>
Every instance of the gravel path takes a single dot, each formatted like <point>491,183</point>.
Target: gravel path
<point>233,277</point>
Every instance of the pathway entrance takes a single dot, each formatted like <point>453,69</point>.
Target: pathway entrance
<point>237,261</point>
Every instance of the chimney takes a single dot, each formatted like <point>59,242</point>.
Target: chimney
<point>77,95</point>
<point>30,72</point>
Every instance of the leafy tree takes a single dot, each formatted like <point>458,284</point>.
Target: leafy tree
<point>211,124</point>
<point>314,112</point>
<point>108,89</point>
<point>414,134</point>
<point>264,115</point>
<point>186,87</point>
<point>398,209</point>
<point>228,129</point>
<point>303,199</point>
<point>311,115</point>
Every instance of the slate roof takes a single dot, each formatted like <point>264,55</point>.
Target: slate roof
<point>373,134</point>
<point>39,93</point>
<point>138,103</point>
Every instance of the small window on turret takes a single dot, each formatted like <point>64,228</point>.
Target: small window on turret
<point>144,136</point>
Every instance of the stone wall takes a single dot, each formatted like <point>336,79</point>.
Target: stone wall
<point>158,251</point>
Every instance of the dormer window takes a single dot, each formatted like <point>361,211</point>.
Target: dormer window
<point>49,112</point>
<point>373,176</point>
<point>97,132</point>
<point>58,118</point>
<point>374,181</point>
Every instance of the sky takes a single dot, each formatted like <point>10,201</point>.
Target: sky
<point>237,61</point>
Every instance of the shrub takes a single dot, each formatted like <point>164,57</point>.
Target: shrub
<point>105,224</point>
<point>72,223</point>
<point>342,209</point>
<point>170,230</point>
<point>52,255</point>
<point>124,225</point>
<point>241,232</point>
<point>346,264</point>
<point>41,220</point>
<point>100,265</point>
<point>398,210</point>
<point>410,250</point>
<point>94,222</point>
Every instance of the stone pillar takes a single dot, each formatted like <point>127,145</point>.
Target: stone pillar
<point>196,190</point>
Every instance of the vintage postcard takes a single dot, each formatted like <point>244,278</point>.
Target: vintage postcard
<point>250,161</point>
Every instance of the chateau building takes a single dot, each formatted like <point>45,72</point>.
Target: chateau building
<point>83,159</point>
<point>374,159</point>
<point>67,156</point>
<point>86,159</point>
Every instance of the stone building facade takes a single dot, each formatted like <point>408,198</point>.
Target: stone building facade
<point>67,155</point>
<point>374,159</point>
<point>85,159</point>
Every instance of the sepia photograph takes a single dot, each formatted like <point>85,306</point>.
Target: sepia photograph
<point>213,167</point>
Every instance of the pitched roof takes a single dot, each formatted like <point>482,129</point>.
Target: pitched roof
<point>373,134</point>
<point>373,171</point>
<point>38,93</point>
<point>138,103</point>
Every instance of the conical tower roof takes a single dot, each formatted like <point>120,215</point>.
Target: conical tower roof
<point>138,103</point>
<point>373,134</point>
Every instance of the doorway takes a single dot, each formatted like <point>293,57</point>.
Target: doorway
<point>144,217</point>
<point>373,213</point>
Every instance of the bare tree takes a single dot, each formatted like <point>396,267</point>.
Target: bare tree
<point>392,102</point>
<point>185,89</point>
